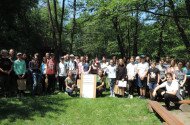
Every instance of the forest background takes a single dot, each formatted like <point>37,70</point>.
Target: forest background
<point>97,27</point>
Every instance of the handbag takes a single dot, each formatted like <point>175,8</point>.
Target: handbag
<point>21,84</point>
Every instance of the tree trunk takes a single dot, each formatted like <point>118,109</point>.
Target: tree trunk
<point>119,38</point>
<point>52,25</point>
<point>179,26</point>
<point>163,22</point>
<point>135,47</point>
<point>187,3</point>
<point>73,27</point>
<point>61,24</point>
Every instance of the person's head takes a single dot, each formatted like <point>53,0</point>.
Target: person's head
<point>86,58</point>
<point>147,58</point>
<point>137,59</point>
<point>52,56</point>
<point>103,59</point>
<point>47,55</point>
<point>121,63</point>
<point>77,58</point>
<point>153,64</point>
<point>69,74</point>
<point>180,64</point>
<point>36,55</point>
<point>44,60</point>
<point>82,59</point>
<point>72,57</point>
<point>169,77</point>
<point>24,56</point>
<point>172,63</point>
<point>11,52</point>
<point>161,61</point>
<point>19,56</point>
<point>167,58</point>
<point>111,62</point>
<point>62,58</point>
<point>142,58</point>
<point>4,53</point>
<point>132,59</point>
<point>100,72</point>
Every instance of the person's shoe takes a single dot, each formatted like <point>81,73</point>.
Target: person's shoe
<point>142,97</point>
<point>113,95</point>
<point>172,104</point>
<point>110,96</point>
<point>131,96</point>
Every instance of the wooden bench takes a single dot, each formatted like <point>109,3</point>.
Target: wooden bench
<point>184,102</point>
<point>164,114</point>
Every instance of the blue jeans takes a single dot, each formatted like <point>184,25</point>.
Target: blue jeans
<point>36,81</point>
<point>112,83</point>
<point>152,85</point>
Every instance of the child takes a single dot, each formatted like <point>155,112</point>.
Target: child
<point>111,71</point>
<point>153,78</point>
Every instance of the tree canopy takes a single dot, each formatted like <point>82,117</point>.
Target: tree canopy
<point>97,27</point>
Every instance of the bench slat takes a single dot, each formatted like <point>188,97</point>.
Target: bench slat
<point>166,115</point>
<point>184,102</point>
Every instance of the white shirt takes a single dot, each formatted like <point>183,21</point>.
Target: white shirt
<point>62,69</point>
<point>142,68</point>
<point>172,87</point>
<point>131,71</point>
<point>104,66</point>
<point>111,71</point>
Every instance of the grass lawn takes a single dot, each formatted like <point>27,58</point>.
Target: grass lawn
<point>61,109</point>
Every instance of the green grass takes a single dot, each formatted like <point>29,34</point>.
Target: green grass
<point>64,110</point>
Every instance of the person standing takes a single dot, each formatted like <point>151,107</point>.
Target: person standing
<point>162,70</point>
<point>86,66</point>
<point>121,74</point>
<point>111,71</point>
<point>34,68</point>
<point>20,71</point>
<point>13,78</point>
<point>62,74</point>
<point>131,75</point>
<point>43,71</point>
<point>187,71</point>
<point>180,76</point>
<point>5,70</point>
<point>142,70</point>
<point>153,79</point>
<point>80,66</point>
<point>72,66</point>
<point>104,64</point>
<point>50,73</point>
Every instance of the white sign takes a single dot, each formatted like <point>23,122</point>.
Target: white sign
<point>88,86</point>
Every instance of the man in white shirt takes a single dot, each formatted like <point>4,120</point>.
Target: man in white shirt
<point>142,70</point>
<point>171,94</point>
<point>73,67</point>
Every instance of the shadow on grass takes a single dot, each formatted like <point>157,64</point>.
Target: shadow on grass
<point>26,108</point>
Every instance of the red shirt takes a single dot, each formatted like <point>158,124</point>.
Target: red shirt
<point>51,67</point>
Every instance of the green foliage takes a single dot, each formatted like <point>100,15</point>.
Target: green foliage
<point>25,26</point>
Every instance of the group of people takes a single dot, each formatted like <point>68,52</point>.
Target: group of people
<point>140,73</point>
